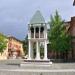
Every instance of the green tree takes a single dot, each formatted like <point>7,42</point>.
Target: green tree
<point>25,45</point>
<point>60,40</point>
<point>3,43</point>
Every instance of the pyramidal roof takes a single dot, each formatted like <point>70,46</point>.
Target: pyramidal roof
<point>37,18</point>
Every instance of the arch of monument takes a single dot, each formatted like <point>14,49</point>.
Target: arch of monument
<point>37,33</point>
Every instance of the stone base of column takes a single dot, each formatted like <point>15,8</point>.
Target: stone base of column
<point>29,58</point>
<point>37,58</point>
<point>45,59</point>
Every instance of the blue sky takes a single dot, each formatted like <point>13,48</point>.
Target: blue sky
<point>16,14</point>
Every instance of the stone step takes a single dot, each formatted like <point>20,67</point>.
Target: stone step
<point>46,67</point>
<point>36,64</point>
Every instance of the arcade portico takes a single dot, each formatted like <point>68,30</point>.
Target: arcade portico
<point>37,34</point>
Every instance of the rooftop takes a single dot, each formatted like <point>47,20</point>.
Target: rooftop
<point>37,18</point>
<point>14,38</point>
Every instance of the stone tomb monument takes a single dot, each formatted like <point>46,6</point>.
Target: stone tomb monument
<point>37,34</point>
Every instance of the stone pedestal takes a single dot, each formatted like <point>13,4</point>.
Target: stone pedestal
<point>36,64</point>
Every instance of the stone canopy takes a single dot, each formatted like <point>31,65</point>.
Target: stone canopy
<point>37,18</point>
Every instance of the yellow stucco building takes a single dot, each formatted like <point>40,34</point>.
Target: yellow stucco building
<point>14,49</point>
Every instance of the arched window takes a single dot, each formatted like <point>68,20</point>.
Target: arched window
<point>32,30</point>
<point>42,29</point>
<point>42,32</point>
<point>37,30</point>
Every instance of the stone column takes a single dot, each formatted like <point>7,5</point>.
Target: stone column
<point>34,32</point>
<point>29,50</point>
<point>39,32</point>
<point>45,50</point>
<point>37,51</point>
<point>44,33</point>
<point>29,33</point>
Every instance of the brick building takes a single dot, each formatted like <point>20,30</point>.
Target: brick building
<point>70,28</point>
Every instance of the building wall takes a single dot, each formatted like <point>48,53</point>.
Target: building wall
<point>15,48</point>
<point>13,45</point>
<point>72,31</point>
<point>72,26</point>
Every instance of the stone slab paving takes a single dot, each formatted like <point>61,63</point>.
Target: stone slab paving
<point>53,66</point>
<point>7,68</point>
<point>41,72</point>
<point>17,70</point>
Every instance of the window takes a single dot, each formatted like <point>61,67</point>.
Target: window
<point>42,29</point>
<point>32,30</point>
<point>37,30</point>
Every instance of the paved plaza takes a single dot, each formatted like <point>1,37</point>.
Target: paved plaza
<point>9,68</point>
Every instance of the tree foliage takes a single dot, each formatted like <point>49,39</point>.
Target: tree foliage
<point>3,43</point>
<point>25,45</point>
<point>59,39</point>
